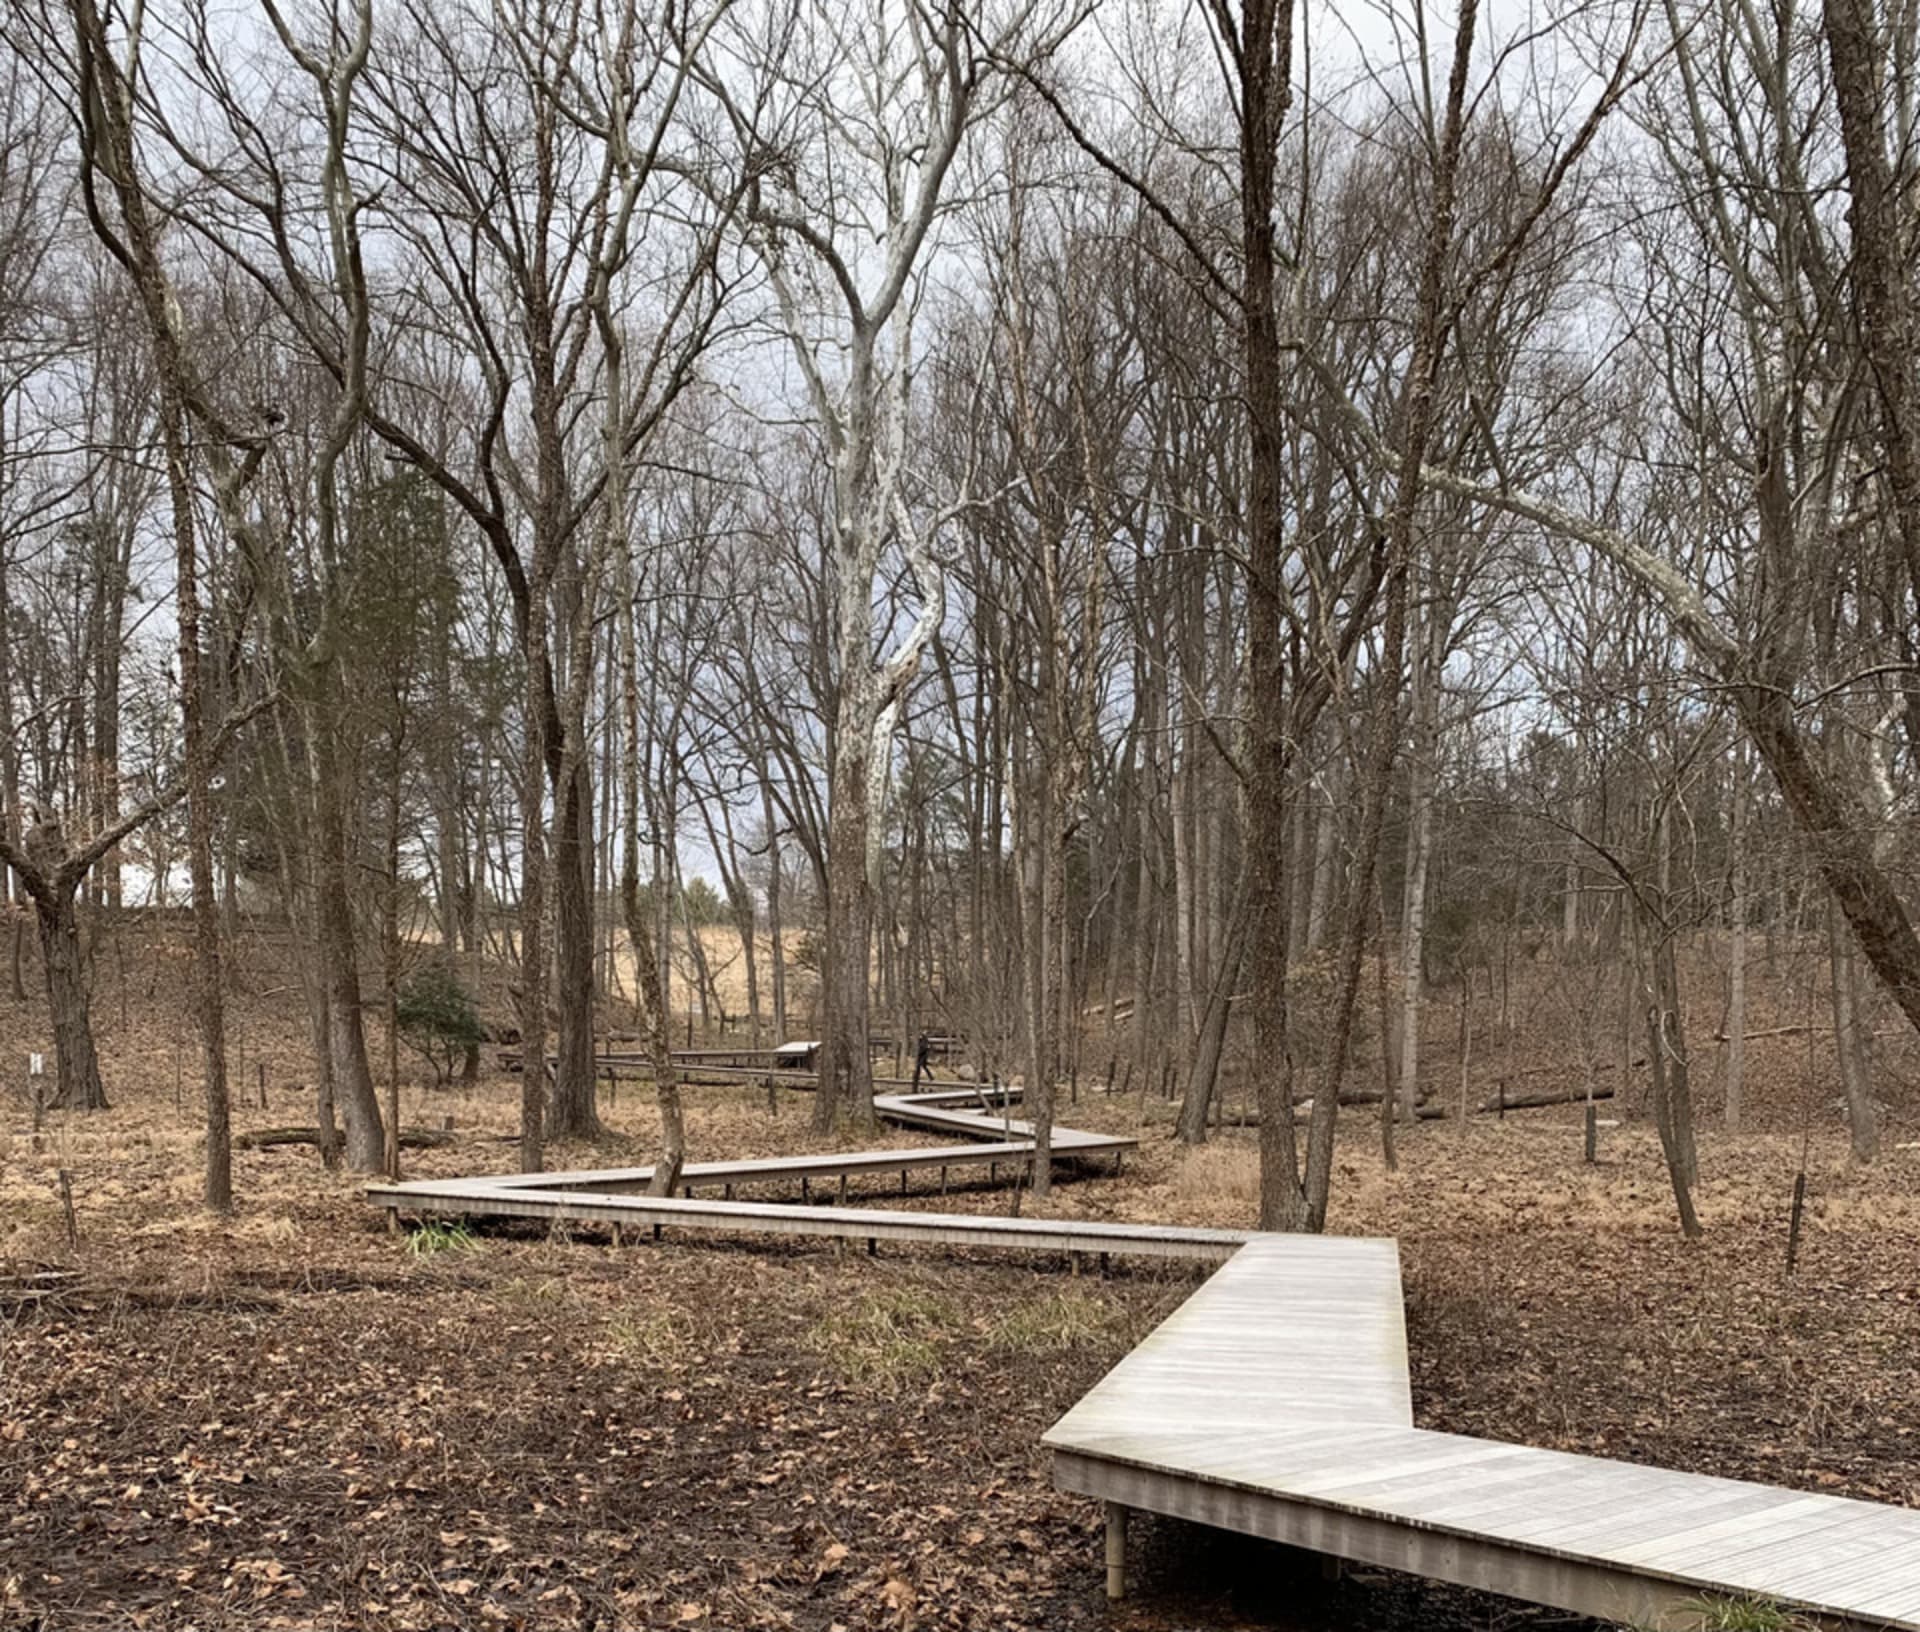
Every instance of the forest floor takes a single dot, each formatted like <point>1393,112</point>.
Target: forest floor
<point>293,1419</point>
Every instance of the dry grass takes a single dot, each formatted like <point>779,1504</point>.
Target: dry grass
<point>1223,1177</point>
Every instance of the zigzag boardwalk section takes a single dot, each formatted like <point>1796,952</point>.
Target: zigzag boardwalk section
<point>613,1195</point>
<point>1276,1402</point>
<point>1006,1141</point>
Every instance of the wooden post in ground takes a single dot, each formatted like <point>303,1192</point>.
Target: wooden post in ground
<point>1116,1552</point>
<point>1793,1224</point>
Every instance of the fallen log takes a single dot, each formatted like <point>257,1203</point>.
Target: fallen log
<point>1600,1065</point>
<point>1539,1097</point>
<point>1303,1109</point>
<point>1434,1111</point>
<point>1767,1032</point>
<point>270,1138</point>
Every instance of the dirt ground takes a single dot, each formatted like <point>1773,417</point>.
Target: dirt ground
<point>294,1419</point>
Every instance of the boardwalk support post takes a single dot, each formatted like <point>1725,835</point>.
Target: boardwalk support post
<point>1116,1552</point>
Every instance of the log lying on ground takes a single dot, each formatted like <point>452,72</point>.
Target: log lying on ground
<point>268,1138</point>
<point>1638,1061</point>
<point>1425,1112</point>
<point>1531,1101</point>
<point>1434,1111</point>
<point>1762,1036</point>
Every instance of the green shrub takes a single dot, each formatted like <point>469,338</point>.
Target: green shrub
<point>437,1019</point>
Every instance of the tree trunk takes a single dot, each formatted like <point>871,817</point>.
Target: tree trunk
<point>1667,1058</point>
<point>1852,1044</point>
<point>846,1065</point>
<point>533,888</point>
<point>1736,1073</point>
<point>1326,850</point>
<point>390,943</point>
<point>1145,914</point>
<point>666,1078</point>
<point>1204,1076</point>
<point>339,962</point>
<point>1053,952</point>
<point>571,1112</point>
<point>776,926</point>
<point>1413,919</point>
<point>1265,68</point>
<point>328,1129</point>
<point>208,1012</point>
<point>77,1084</point>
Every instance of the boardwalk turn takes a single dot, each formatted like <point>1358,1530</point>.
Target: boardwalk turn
<point>1275,1402</point>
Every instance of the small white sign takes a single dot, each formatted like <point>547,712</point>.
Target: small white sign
<point>36,1065</point>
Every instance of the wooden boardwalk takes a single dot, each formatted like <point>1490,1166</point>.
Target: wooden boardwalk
<point>1275,1402</point>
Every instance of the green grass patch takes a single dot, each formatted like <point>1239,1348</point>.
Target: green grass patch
<point>887,1338</point>
<point>1068,1318</point>
<point>437,1235</point>
<point>657,1338</point>
<point>1715,1614</point>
